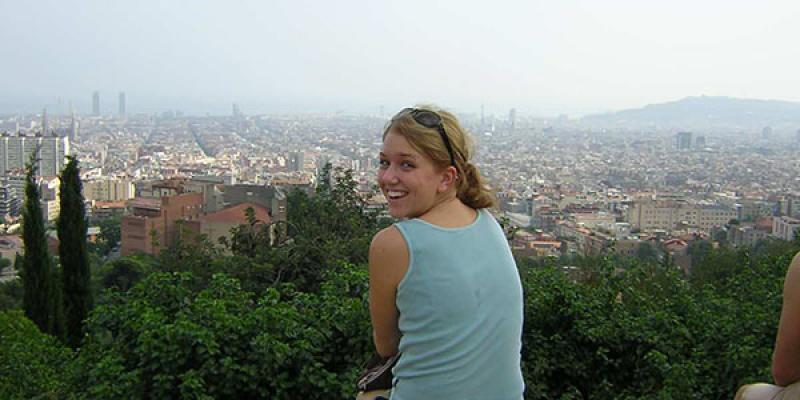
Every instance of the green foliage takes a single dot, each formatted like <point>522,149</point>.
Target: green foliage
<point>32,364</point>
<point>4,263</point>
<point>109,237</point>
<point>123,273</point>
<point>73,255</point>
<point>41,300</point>
<point>645,332</point>
<point>327,229</point>
<point>11,295</point>
<point>163,339</point>
<point>646,252</point>
<point>699,250</point>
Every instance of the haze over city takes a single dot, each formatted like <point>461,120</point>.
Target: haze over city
<point>543,58</point>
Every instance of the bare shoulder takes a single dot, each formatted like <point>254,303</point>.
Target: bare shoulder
<point>388,241</point>
<point>388,252</point>
<point>793,274</point>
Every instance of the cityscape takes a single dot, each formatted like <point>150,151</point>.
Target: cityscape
<point>570,188</point>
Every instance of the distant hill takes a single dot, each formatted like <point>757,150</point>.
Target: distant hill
<point>707,111</point>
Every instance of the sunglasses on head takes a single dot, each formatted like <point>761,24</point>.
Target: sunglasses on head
<point>428,119</point>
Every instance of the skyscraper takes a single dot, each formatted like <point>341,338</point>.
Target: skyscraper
<point>96,104</point>
<point>683,140</point>
<point>74,126</point>
<point>296,161</point>
<point>44,122</point>
<point>121,104</point>
<point>700,142</point>
<point>16,150</point>
<point>512,119</point>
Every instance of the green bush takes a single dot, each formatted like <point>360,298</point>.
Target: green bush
<point>33,365</point>
<point>164,340</point>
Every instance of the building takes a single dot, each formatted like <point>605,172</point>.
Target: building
<point>700,142</point>
<point>217,225</point>
<point>15,182</point>
<point>9,200</point>
<point>152,223</point>
<point>101,210</point>
<point>96,104</point>
<point>270,197</point>
<point>785,227</point>
<point>683,140</point>
<point>122,111</point>
<point>108,190</point>
<point>745,235</point>
<point>648,214</point>
<point>652,214</point>
<point>45,125</point>
<point>49,189</point>
<point>74,128</point>
<point>15,152</point>
<point>296,161</point>
<point>710,216</point>
<point>752,209</point>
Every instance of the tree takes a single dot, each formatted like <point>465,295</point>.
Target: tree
<point>76,275</point>
<point>41,288</point>
<point>32,365</point>
<point>646,252</point>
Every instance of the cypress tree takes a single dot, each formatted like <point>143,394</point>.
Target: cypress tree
<point>39,301</point>
<point>75,272</point>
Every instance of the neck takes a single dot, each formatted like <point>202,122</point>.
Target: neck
<point>449,212</point>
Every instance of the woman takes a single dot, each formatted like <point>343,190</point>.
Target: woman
<point>444,288</point>
<point>786,355</point>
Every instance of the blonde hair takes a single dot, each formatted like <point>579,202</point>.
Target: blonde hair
<point>471,188</point>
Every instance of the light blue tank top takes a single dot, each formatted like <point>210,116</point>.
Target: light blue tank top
<point>460,306</point>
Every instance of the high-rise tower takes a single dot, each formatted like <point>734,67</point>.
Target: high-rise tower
<point>44,122</point>
<point>683,140</point>
<point>15,151</point>
<point>96,104</point>
<point>122,104</point>
<point>73,128</point>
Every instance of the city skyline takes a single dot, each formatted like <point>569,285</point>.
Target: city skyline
<point>544,59</point>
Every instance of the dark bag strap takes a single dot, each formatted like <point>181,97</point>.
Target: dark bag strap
<point>378,373</point>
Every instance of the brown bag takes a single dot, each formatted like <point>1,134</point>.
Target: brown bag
<point>378,374</point>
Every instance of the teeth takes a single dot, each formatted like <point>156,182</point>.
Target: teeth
<point>396,194</point>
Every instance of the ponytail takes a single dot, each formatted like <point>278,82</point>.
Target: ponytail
<point>472,190</point>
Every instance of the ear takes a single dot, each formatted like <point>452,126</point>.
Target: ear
<point>449,178</point>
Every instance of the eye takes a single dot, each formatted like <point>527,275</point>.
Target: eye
<point>383,164</point>
<point>407,164</point>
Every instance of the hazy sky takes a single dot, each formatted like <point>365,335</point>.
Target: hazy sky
<point>542,57</point>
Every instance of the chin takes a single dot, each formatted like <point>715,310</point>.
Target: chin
<point>401,213</point>
<point>397,214</point>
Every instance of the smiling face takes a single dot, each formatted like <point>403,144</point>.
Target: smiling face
<point>410,181</point>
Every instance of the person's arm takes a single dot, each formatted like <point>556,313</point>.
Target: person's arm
<point>388,263</point>
<point>786,357</point>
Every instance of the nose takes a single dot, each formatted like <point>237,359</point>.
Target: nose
<point>387,176</point>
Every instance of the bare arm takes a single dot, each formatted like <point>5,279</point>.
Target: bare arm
<point>388,263</point>
<point>786,357</point>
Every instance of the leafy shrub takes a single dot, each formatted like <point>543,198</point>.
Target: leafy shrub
<point>32,364</point>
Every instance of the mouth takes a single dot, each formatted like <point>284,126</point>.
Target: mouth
<point>395,194</point>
